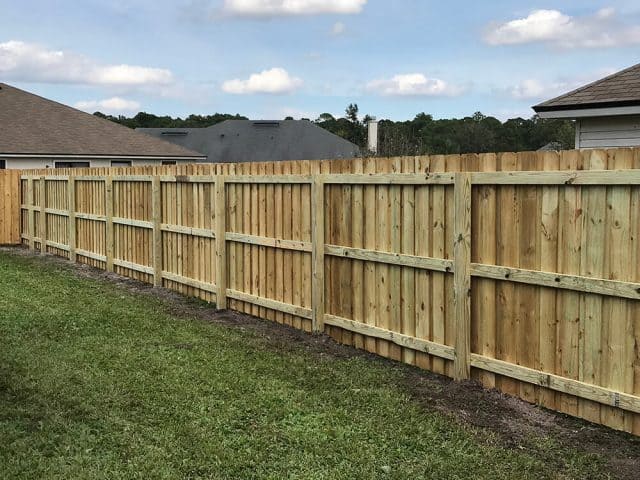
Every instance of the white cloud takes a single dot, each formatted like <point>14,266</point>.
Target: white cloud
<point>413,84</point>
<point>30,62</point>
<point>274,81</point>
<point>296,113</point>
<point>532,88</point>
<point>602,29</point>
<point>536,89</point>
<point>275,8</point>
<point>338,29</point>
<point>108,105</point>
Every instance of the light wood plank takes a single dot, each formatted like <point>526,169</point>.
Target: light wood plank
<point>318,253</point>
<point>399,259</point>
<point>221,243</point>
<point>462,276</point>
<point>407,341</point>
<point>272,304</point>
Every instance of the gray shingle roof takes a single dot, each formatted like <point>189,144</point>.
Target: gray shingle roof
<point>259,141</point>
<point>33,125</point>
<point>620,89</point>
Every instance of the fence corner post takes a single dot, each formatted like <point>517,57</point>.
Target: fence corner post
<point>156,213</point>
<point>317,249</point>
<point>462,275</point>
<point>43,214</point>
<point>71,205</point>
<point>109,234</point>
<point>220,219</point>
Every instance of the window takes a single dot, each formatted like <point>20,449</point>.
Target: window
<point>120,163</point>
<point>72,164</point>
<point>174,134</point>
<point>3,164</point>
<point>168,162</point>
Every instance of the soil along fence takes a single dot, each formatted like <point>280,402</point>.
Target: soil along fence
<point>9,207</point>
<point>519,270</point>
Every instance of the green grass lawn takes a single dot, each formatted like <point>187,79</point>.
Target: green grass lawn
<point>100,382</point>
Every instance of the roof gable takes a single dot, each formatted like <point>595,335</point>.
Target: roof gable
<point>32,125</point>
<point>617,90</point>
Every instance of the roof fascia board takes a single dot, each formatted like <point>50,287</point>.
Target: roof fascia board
<point>591,112</point>
<point>103,157</point>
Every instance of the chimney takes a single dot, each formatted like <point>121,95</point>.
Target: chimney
<point>372,135</point>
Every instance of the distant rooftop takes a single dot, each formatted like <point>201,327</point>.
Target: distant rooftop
<point>621,89</point>
<point>259,141</point>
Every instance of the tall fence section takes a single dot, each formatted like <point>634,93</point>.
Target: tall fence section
<point>9,207</point>
<point>519,270</point>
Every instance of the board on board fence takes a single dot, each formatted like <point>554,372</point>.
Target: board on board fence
<point>553,260</point>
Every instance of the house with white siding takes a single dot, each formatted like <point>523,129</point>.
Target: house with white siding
<point>606,112</point>
<point>39,133</point>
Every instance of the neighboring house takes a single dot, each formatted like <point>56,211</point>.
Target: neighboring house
<point>551,147</point>
<point>39,133</point>
<point>259,141</point>
<point>607,112</point>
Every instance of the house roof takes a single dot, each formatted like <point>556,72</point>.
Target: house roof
<point>259,141</point>
<point>34,126</point>
<point>621,89</point>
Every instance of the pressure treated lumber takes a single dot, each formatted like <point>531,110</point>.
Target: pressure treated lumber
<point>72,227</point>
<point>221,242</point>
<point>425,263</point>
<point>407,341</point>
<point>318,253</point>
<point>462,275</point>
<point>372,258</point>
<point>565,385</point>
<point>576,283</point>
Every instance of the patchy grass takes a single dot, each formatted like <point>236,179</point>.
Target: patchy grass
<point>99,382</point>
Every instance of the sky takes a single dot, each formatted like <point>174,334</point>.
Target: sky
<point>268,59</point>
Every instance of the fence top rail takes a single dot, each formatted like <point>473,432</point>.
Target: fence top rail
<point>569,177</point>
<point>188,178</point>
<point>388,178</point>
<point>560,177</point>
<point>300,179</point>
<point>130,178</point>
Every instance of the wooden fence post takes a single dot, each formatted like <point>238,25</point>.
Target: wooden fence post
<point>156,207</point>
<point>221,242</point>
<point>43,214</point>
<point>31,214</point>
<point>71,203</point>
<point>462,275</point>
<point>317,253</point>
<point>109,235</point>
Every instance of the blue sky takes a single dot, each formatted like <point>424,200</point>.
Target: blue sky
<point>273,58</point>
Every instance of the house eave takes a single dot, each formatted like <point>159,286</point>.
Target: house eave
<point>97,157</point>
<point>594,111</point>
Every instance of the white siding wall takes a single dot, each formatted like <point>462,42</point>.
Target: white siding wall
<point>29,163</point>
<point>605,132</point>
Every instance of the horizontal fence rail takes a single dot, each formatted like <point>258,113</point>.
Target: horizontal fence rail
<point>485,267</point>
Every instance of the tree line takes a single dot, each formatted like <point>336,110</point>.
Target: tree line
<point>475,134</point>
<point>422,135</point>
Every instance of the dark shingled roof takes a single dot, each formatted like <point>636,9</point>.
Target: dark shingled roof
<point>33,125</point>
<point>621,89</point>
<point>259,141</point>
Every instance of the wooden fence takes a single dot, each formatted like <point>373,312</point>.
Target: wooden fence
<point>475,266</point>
<point>9,207</point>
